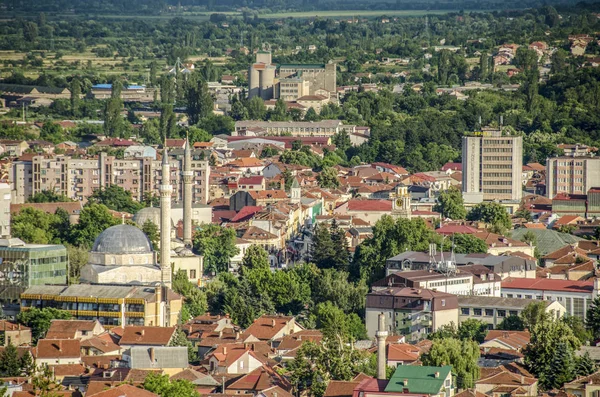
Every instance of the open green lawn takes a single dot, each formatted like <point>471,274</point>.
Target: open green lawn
<point>358,13</point>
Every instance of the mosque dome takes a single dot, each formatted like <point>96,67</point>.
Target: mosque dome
<point>151,214</point>
<point>122,239</point>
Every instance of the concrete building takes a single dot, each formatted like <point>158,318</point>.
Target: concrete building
<point>293,81</point>
<point>5,200</point>
<point>572,175</point>
<point>493,310</point>
<point>323,128</point>
<point>492,166</point>
<point>111,305</point>
<point>411,312</point>
<point>79,178</point>
<point>575,296</point>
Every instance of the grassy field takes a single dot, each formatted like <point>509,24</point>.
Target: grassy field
<point>359,13</point>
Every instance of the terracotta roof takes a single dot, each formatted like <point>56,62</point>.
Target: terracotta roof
<point>256,233</point>
<point>275,391</point>
<point>548,285</point>
<point>99,361</point>
<point>72,208</point>
<point>452,166</point>
<point>68,369</point>
<point>245,162</point>
<point>142,335</point>
<point>567,220</point>
<point>514,339</point>
<point>496,240</point>
<point>66,329</point>
<point>175,142</point>
<point>296,340</point>
<point>262,378</point>
<point>104,343</point>
<point>6,325</point>
<point>369,205</point>
<point>266,327</point>
<point>457,229</point>
<point>564,251</point>
<point>470,393</point>
<point>251,180</point>
<point>340,388</point>
<point>246,213</point>
<point>402,352</point>
<point>124,391</point>
<point>268,194</point>
<point>57,348</point>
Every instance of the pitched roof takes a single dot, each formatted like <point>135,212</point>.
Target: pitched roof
<point>369,205</point>
<point>418,379</point>
<point>143,335</point>
<point>548,285</point>
<point>496,240</point>
<point>340,388</point>
<point>256,233</point>
<point>57,348</point>
<point>6,325</point>
<point>251,180</point>
<point>124,391</point>
<point>402,352</point>
<point>261,378</point>
<point>104,343</point>
<point>246,213</point>
<point>266,327</point>
<point>66,329</point>
<point>73,208</point>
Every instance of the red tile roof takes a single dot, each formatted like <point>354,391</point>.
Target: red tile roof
<point>369,205</point>
<point>124,391</point>
<point>142,335</point>
<point>545,284</point>
<point>251,180</point>
<point>266,327</point>
<point>57,348</point>
<point>66,329</point>
<point>340,388</point>
<point>246,213</point>
<point>456,229</point>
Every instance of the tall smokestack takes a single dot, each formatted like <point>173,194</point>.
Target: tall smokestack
<point>381,336</point>
<point>187,176</point>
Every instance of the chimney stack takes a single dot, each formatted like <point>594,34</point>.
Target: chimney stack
<point>381,336</point>
<point>224,349</point>
<point>152,355</point>
<point>273,323</point>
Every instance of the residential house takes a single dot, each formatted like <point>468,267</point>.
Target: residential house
<point>74,329</point>
<point>57,351</point>
<point>234,359</point>
<point>251,183</point>
<point>273,328</point>
<point>263,380</point>
<point>124,390</point>
<point>13,333</point>
<point>511,379</point>
<point>146,336</point>
<point>501,245</point>
<point>424,380</point>
<point>170,359</point>
<point>584,386</point>
<point>505,340</point>
<point>369,210</point>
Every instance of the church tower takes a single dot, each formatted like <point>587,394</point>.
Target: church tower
<point>187,176</point>
<point>401,202</point>
<point>296,192</point>
<point>166,190</point>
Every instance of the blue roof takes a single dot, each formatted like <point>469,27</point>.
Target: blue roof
<point>103,86</point>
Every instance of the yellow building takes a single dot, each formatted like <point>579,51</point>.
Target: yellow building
<point>111,305</point>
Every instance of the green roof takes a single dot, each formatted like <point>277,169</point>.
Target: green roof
<point>546,240</point>
<point>420,379</point>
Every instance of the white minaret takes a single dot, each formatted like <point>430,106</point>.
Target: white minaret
<point>187,176</point>
<point>166,190</point>
<point>381,336</point>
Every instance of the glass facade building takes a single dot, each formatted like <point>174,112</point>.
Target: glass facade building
<point>25,265</point>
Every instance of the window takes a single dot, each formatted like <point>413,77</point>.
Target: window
<point>464,311</point>
<point>509,295</point>
<point>513,313</point>
<point>477,312</point>
<point>489,312</point>
<point>443,302</point>
<point>192,273</point>
<point>501,313</point>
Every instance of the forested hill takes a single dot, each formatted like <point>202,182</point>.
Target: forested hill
<point>174,7</point>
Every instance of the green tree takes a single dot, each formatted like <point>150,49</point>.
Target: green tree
<point>217,245</point>
<point>328,178</point>
<point>255,258</point>
<point>75,97</point>
<point>93,220</point>
<point>52,132</point>
<point>578,327</point>
<point>161,385</point>
<point>39,320</point>
<point>533,314</point>
<point>35,226</point>
<point>113,122</point>
<point>78,257</point>
<point>524,214</point>
<point>167,124</point>
<point>194,302</point>
<point>279,113</point>
<point>549,354</point>
<point>10,364</point>
<point>116,198</point>
<point>322,250</point>
<point>48,196</point>
<point>512,323</point>
<point>584,365</point>
<point>462,355</point>
<point>592,317</point>
<point>256,108</point>
<point>491,213</point>
<point>27,364</point>
<point>451,205</point>
<point>472,329</point>
<point>465,244</point>
<point>44,383</point>
<point>199,101</point>
<point>151,230</point>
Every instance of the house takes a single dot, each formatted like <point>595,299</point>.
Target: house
<point>569,263</point>
<point>170,359</point>
<point>289,344</point>
<point>511,379</point>
<point>234,359</point>
<point>368,210</point>
<point>251,183</point>
<point>425,380</point>
<point>57,351</point>
<point>74,329</point>
<point>500,245</point>
<point>146,336</point>
<point>506,340</point>
<point>12,333</point>
<point>262,380</point>
<point>204,383</point>
<point>124,391</point>
<point>271,328</point>
<point>584,385</point>
<point>402,354</point>
<point>102,345</point>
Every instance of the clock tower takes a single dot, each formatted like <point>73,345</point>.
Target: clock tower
<point>401,202</point>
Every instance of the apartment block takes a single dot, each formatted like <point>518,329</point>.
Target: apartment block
<point>572,175</point>
<point>78,178</point>
<point>492,166</point>
<point>324,128</point>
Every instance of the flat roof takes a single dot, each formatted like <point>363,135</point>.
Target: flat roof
<point>497,302</point>
<point>548,284</point>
